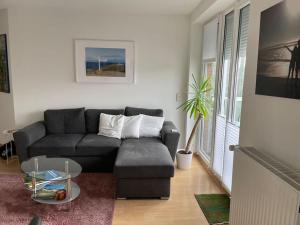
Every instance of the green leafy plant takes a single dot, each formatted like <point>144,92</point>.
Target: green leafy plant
<point>198,106</point>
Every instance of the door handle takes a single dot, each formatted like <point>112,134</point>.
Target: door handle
<point>233,147</point>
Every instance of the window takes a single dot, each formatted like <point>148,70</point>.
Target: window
<point>228,43</point>
<point>241,62</point>
<point>227,127</point>
<point>209,71</point>
<point>209,63</point>
<point>222,128</point>
<point>223,95</point>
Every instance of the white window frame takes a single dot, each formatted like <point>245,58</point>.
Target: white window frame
<point>236,9</point>
<point>208,161</point>
<point>200,143</point>
<point>235,57</point>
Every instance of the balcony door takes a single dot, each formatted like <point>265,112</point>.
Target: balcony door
<point>209,70</point>
<point>227,129</point>
<point>225,65</point>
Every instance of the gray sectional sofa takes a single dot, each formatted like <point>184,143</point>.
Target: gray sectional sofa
<point>142,167</point>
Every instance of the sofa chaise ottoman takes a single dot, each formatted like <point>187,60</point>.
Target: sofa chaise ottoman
<point>143,167</point>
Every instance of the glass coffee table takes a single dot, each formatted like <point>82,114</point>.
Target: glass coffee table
<point>50,179</point>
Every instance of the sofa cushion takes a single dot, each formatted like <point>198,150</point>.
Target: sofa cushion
<point>151,126</point>
<point>143,158</point>
<point>111,125</point>
<point>131,111</point>
<point>92,117</point>
<point>131,127</point>
<point>55,145</point>
<point>97,145</point>
<point>65,121</point>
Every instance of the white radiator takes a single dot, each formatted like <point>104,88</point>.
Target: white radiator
<point>264,191</point>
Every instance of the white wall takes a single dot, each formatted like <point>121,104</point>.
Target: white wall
<point>270,124</point>
<point>195,69</point>
<point>43,61</point>
<point>6,100</point>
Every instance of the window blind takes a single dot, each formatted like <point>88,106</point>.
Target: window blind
<point>228,36</point>
<point>210,35</point>
<point>243,31</point>
<point>241,61</point>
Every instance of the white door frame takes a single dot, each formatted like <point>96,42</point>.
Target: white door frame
<point>236,9</point>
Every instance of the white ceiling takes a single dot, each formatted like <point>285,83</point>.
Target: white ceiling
<point>164,7</point>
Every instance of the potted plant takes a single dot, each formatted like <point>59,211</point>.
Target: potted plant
<point>197,107</point>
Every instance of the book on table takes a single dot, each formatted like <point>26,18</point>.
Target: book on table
<point>43,178</point>
<point>49,175</point>
<point>46,190</point>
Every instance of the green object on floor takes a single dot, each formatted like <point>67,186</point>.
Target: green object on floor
<point>215,207</point>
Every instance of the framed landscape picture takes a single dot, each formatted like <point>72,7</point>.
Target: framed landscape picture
<point>4,75</point>
<point>278,66</point>
<point>99,61</point>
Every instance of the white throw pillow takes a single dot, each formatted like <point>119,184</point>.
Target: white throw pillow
<point>151,126</point>
<point>131,128</point>
<point>111,125</point>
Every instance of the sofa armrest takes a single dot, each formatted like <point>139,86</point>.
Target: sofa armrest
<point>170,137</point>
<point>27,136</point>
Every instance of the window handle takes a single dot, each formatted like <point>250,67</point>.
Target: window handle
<point>233,147</point>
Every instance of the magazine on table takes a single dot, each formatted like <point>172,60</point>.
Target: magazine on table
<point>49,175</point>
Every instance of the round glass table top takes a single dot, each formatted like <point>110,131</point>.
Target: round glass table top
<point>50,169</point>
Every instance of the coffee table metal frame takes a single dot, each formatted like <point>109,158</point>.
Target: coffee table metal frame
<point>72,189</point>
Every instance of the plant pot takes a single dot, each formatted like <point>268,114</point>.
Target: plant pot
<point>184,161</point>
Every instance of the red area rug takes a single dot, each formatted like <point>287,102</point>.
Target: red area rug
<point>94,206</point>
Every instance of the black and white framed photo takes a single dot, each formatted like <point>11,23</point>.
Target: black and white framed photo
<point>278,67</point>
<point>100,61</point>
<point>4,74</point>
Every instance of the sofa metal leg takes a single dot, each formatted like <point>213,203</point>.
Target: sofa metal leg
<point>164,198</point>
<point>118,198</point>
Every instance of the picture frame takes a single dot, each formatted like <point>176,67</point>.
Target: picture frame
<point>278,64</point>
<point>104,61</point>
<point>4,71</point>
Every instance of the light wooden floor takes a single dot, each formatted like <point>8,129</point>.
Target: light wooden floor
<point>180,209</point>
<point>12,167</point>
